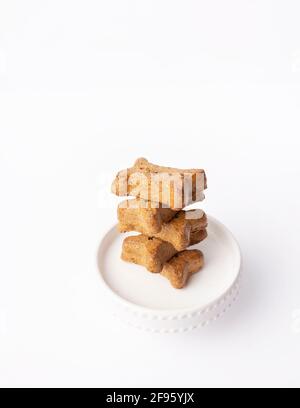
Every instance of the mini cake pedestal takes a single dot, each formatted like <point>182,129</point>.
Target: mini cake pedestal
<point>148,302</point>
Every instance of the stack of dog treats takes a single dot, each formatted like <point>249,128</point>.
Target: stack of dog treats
<point>157,213</point>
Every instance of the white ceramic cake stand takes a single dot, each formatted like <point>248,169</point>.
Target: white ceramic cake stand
<point>147,301</point>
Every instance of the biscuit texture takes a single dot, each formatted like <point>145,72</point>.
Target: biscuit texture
<point>174,188</point>
<point>151,253</point>
<point>140,216</point>
<point>182,266</point>
<point>185,229</point>
<point>198,236</point>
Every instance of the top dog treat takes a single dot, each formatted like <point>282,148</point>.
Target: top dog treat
<point>173,188</point>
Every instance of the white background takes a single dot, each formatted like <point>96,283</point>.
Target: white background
<point>88,86</point>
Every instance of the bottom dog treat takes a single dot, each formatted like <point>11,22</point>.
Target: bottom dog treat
<point>182,266</point>
<point>146,251</point>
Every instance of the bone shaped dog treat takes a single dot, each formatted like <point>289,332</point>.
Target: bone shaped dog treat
<point>184,230</point>
<point>140,216</point>
<point>182,266</point>
<point>149,252</point>
<point>174,188</point>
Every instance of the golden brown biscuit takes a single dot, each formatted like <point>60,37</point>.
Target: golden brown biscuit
<point>198,236</point>
<point>182,266</point>
<point>146,251</point>
<point>174,188</point>
<point>184,230</point>
<point>140,216</point>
